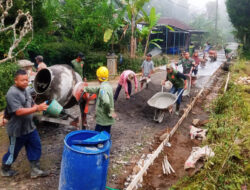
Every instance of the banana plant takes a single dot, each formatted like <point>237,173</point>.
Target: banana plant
<point>134,8</point>
<point>151,21</point>
<point>117,24</point>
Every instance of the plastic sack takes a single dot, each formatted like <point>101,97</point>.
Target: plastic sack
<point>197,133</point>
<point>197,154</point>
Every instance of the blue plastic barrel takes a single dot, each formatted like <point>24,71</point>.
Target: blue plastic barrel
<point>85,161</point>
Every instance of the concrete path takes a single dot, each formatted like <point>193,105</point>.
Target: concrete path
<point>203,73</point>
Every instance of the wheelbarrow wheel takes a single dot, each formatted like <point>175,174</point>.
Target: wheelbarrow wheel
<point>159,115</point>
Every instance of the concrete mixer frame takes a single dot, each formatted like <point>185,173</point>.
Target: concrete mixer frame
<point>59,121</point>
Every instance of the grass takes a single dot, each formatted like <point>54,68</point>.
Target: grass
<point>229,137</point>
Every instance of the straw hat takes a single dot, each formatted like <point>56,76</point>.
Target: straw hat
<point>25,63</point>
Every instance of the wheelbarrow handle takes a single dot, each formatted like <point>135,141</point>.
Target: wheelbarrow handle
<point>179,95</point>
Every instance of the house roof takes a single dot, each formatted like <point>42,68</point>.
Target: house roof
<point>179,25</point>
<point>174,23</point>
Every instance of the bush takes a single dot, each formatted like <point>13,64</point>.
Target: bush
<point>7,71</point>
<point>160,61</point>
<point>64,52</point>
<point>135,64</point>
<point>92,62</point>
<point>130,64</point>
<point>56,52</point>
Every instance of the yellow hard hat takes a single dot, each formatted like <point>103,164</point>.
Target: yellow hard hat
<point>102,73</point>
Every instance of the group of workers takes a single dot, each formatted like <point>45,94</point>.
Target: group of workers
<point>19,112</point>
<point>20,105</point>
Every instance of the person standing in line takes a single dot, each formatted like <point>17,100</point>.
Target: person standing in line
<point>147,70</point>
<point>40,63</point>
<point>197,61</point>
<point>187,64</point>
<point>125,80</point>
<point>78,65</point>
<point>20,127</point>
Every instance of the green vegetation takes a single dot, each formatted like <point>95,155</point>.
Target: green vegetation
<point>239,15</point>
<point>7,71</point>
<point>229,137</point>
<point>135,64</point>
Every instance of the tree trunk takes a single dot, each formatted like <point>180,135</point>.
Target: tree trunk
<point>244,39</point>
<point>147,42</point>
<point>132,44</point>
<point>132,40</point>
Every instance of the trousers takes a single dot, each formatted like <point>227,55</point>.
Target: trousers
<point>173,90</point>
<point>32,145</point>
<point>119,87</point>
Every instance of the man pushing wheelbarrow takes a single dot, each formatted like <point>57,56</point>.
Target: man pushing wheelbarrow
<point>179,82</point>
<point>164,101</point>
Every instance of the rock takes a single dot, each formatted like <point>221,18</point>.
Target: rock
<point>203,122</point>
<point>195,122</point>
<point>129,179</point>
<point>121,162</point>
<point>136,169</point>
<point>151,149</point>
<point>139,144</point>
<point>140,185</point>
<point>13,183</point>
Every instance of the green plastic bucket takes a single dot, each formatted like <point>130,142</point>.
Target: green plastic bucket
<point>54,109</point>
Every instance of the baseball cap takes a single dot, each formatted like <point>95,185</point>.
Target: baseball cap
<point>81,55</point>
<point>169,66</point>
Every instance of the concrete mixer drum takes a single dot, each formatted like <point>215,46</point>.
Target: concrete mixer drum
<point>56,82</point>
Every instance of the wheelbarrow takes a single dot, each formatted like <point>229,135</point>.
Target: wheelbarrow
<point>161,101</point>
<point>146,80</point>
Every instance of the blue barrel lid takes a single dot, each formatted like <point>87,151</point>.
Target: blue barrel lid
<point>88,142</point>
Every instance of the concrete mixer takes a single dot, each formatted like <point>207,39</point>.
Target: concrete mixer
<point>57,83</point>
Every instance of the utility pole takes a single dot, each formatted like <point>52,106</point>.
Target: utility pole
<point>216,18</point>
<point>32,9</point>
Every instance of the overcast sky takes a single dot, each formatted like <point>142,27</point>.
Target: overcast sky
<point>198,4</point>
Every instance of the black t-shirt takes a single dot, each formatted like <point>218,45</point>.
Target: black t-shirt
<point>19,125</point>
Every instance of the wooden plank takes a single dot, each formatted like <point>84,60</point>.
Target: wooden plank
<point>228,77</point>
<point>139,175</point>
<point>186,112</point>
<point>146,165</point>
